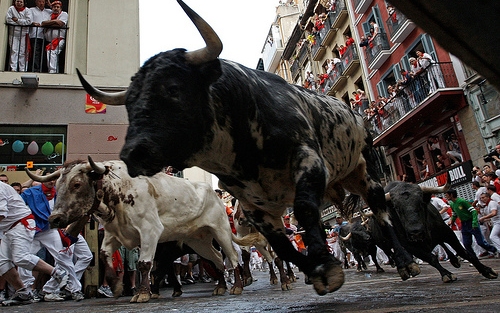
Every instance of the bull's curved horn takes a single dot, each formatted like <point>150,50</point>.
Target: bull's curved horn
<point>213,44</point>
<point>441,189</point>
<point>346,237</point>
<point>116,98</point>
<point>42,179</point>
<point>388,196</point>
<point>98,169</point>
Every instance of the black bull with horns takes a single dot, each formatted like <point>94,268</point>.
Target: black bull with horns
<point>420,227</point>
<point>271,144</point>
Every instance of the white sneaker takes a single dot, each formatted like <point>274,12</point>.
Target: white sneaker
<point>52,297</point>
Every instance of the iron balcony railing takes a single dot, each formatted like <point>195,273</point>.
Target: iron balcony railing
<point>27,48</point>
<point>295,68</point>
<point>410,95</point>
<point>395,20</point>
<point>336,10</point>
<point>303,52</point>
<point>350,55</point>
<point>378,44</point>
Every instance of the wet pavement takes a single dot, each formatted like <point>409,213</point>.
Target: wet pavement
<point>362,292</point>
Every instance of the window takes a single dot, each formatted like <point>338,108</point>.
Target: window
<point>489,100</point>
<point>45,146</point>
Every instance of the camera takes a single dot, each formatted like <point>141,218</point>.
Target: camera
<point>487,158</point>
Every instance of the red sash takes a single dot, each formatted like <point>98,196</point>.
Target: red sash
<point>25,222</point>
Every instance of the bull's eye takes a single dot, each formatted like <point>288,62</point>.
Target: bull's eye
<point>170,91</point>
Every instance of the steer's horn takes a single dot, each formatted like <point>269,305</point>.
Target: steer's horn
<point>346,237</point>
<point>213,44</point>
<point>441,189</point>
<point>98,169</point>
<point>42,179</point>
<point>115,98</point>
<point>388,196</point>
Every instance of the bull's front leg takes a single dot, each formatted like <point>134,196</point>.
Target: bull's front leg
<point>149,241</point>
<point>325,271</point>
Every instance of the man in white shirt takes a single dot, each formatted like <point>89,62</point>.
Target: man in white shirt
<point>55,35</point>
<point>38,14</point>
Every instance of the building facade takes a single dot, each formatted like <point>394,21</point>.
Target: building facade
<point>430,125</point>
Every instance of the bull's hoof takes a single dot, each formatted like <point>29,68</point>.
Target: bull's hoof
<point>403,273</point>
<point>143,297</point>
<point>307,280</point>
<point>273,280</point>
<point>413,269</point>
<point>490,273</point>
<point>248,281</point>
<point>448,278</point>
<point>455,262</point>
<point>293,278</point>
<point>327,278</point>
<point>286,286</point>
<point>219,291</point>
<point>176,293</point>
<point>155,296</point>
<point>235,290</point>
<point>134,298</point>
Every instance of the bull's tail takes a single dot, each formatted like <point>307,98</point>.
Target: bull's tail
<point>251,239</point>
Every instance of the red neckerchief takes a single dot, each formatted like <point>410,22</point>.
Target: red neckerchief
<point>49,192</point>
<point>19,10</point>
<point>54,16</point>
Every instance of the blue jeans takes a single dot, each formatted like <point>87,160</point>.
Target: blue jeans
<point>468,232</point>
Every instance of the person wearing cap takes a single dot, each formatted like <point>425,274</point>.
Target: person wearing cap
<point>55,35</point>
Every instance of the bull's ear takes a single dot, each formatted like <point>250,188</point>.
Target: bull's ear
<point>211,71</point>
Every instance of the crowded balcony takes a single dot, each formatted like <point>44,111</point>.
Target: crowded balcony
<point>25,54</point>
<point>413,103</point>
<point>350,59</point>
<point>378,51</point>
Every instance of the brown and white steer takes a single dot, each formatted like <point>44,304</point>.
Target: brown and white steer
<point>143,211</point>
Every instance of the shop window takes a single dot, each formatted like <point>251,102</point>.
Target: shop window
<point>43,146</point>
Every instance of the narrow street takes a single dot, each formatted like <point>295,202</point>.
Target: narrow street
<point>362,292</point>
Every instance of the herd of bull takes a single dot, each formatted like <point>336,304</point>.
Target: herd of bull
<point>272,145</point>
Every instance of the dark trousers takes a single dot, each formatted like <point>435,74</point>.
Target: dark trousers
<point>468,232</point>
<point>36,62</point>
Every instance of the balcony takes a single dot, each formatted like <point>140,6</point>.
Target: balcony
<point>350,60</point>
<point>272,52</point>
<point>31,55</point>
<point>419,104</point>
<point>336,79</point>
<point>318,50</point>
<point>377,52</point>
<point>399,26</point>
<point>295,68</point>
<point>303,52</point>
<point>338,15</point>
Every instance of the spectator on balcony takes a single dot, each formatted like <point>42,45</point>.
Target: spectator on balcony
<point>434,147</point>
<point>319,21</point>
<point>332,6</point>
<point>392,14</point>
<point>434,74</point>
<point>19,17</point>
<point>454,149</point>
<point>374,31</point>
<point>39,14</point>
<point>440,166</point>
<point>348,40</point>
<point>424,172</point>
<point>406,84</point>
<point>341,50</point>
<point>395,101</point>
<point>365,104</point>
<point>55,35</point>
<point>357,103</point>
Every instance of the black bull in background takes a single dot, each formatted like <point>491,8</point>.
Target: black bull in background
<point>272,145</point>
<point>420,227</point>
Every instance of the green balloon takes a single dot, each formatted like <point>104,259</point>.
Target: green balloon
<point>59,148</point>
<point>47,148</point>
